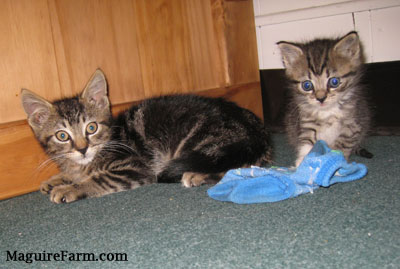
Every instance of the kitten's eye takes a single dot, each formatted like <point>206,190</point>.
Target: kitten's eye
<point>62,136</point>
<point>307,85</point>
<point>91,128</point>
<point>333,82</point>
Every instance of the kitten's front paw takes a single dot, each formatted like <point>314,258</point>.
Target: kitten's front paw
<point>48,185</point>
<point>65,194</point>
<point>45,187</point>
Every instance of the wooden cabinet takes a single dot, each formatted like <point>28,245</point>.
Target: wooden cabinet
<point>145,48</point>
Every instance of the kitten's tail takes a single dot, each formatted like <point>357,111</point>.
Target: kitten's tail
<point>363,153</point>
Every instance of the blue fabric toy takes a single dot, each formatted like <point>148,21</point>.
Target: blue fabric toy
<point>321,167</point>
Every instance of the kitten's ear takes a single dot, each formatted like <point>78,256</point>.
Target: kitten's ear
<point>290,53</point>
<point>349,46</point>
<point>95,91</point>
<point>36,108</point>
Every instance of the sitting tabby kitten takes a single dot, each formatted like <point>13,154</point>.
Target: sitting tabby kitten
<point>183,138</point>
<point>328,103</point>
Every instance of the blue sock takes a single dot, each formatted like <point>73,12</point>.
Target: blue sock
<point>321,167</point>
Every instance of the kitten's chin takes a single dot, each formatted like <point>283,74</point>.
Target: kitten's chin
<point>84,161</point>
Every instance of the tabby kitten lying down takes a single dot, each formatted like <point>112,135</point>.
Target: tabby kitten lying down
<point>328,102</point>
<point>183,138</point>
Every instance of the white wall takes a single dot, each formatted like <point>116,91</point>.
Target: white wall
<point>377,22</point>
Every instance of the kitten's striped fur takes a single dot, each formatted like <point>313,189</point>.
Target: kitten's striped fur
<point>183,138</point>
<point>333,107</point>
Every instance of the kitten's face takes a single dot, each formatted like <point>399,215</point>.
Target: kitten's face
<point>72,128</point>
<point>76,130</point>
<point>322,70</point>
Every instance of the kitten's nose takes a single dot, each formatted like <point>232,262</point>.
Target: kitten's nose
<point>320,95</point>
<point>321,100</point>
<point>82,150</point>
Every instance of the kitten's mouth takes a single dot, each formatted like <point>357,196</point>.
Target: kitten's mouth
<point>84,159</point>
<point>323,104</point>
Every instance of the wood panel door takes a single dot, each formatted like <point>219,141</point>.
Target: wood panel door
<point>27,57</point>
<point>93,34</point>
<point>146,48</point>
<point>179,46</point>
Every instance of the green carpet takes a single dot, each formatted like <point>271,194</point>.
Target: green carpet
<point>349,225</point>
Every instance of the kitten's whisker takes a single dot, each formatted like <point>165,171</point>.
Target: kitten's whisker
<point>49,160</point>
<point>47,164</point>
<point>120,145</point>
<point>58,157</point>
<point>111,149</point>
<point>114,150</point>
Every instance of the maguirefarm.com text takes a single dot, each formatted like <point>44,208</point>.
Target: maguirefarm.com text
<point>63,255</point>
